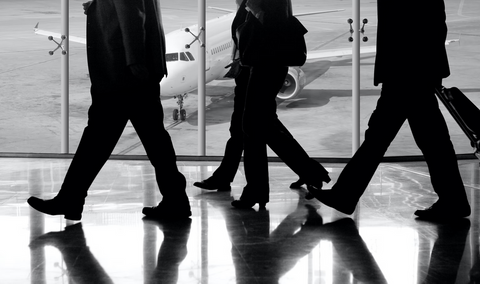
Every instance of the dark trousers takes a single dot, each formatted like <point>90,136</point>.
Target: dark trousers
<point>225,173</point>
<point>108,115</point>
<point>417,104</point>
<point>262,127</point>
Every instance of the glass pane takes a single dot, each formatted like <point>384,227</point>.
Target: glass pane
<point>319,116</point>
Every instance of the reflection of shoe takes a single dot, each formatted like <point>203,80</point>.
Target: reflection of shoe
<point>167,212</point>
<point>56,206</point>
<point>210,184</point>
<point>72,236</point>
<point>344,204</point>
<point>313,218</point>
<point>438,212</point>
<point>297,184</point>
<point>317,184</point>
<point>178,227</point>
<point>243,204</point>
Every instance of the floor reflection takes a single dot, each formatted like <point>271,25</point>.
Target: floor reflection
<point>292,241</point>
<point>447,251</point>
<point>82,266</point>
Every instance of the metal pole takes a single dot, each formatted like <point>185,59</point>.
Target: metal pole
<point>64,77</point>
<point>201,77</point>
<point>356,77</point>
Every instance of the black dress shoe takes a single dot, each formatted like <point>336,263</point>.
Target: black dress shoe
<point>167,212</point>
<point>344,204</point>
<point>438,212</point>
<point>318,183</point>
<point>57,206</point>
<point>243,204</point>
<point>213,185</point>
<point>297,184</point>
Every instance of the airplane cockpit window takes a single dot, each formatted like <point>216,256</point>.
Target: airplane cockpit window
<point>190,56</point>
<point>182,56</point>
<point>171,57</point>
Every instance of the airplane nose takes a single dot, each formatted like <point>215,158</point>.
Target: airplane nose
<point>176,83</point>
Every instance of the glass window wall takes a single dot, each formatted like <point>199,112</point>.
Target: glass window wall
<point>319,116</point>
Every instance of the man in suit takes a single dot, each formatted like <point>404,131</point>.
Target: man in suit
<point>408,74</point>
<point>126,61</point>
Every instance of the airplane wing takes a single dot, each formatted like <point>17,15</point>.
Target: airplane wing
<point>318,12</point>
<point>319,54</point>
<point>58,36</point>
<point>221,9</point>
<point>296,15</point>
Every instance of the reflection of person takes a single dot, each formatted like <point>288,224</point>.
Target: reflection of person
<point>447,252</point>
<point>172,251</point>
<point>225,173</point>
<point>82,266</point>
<point>126,61</point>
<point>352,251</point>
<point>261,255</point>
<point>407,94</point>
<point>265,81</point>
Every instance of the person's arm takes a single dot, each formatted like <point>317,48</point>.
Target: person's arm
<point>255,7</point>
<point>131,17</point>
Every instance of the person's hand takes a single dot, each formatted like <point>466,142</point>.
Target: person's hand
<point>86,5</point>
<point>254,7</point>
<point>140,71</point>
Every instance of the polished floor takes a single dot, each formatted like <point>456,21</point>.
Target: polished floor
<point>292,241</point>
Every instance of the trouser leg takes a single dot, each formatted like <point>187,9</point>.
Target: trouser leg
<point>105,126</point>
<point>261,103</point>
<point>147,119</point>
<point>432,137</point>
<point>383,126</point>
<point>234,147</point>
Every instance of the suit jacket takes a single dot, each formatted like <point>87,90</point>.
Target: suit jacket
<point>237,21</point>
<point>411,38</point>
<point>275,15</point>
<point>121,33</point>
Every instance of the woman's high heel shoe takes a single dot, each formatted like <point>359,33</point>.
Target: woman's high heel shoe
<point>242,204</point>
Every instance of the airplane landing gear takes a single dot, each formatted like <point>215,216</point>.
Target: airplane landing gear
<point>180,112</point>
<point>175,114</point>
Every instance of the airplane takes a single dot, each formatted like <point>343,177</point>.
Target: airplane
<point>182,66</point>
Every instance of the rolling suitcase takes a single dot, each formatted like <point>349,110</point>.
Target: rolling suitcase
<point>465,113</point>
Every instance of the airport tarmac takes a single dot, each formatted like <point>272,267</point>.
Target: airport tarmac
<point>319,118</point>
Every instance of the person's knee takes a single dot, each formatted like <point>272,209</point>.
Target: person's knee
<point>254,130</point>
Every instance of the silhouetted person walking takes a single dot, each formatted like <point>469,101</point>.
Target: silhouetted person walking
<point>225,173</point>
<point>408,74</point>
<point>126,61</point>
<point>265,81</point>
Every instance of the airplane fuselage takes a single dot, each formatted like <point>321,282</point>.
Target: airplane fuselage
<point>182,61</point>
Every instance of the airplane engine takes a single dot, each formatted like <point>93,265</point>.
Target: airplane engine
<point>294,83</point>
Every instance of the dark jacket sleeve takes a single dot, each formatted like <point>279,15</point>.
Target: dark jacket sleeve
<point>131,17</point>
